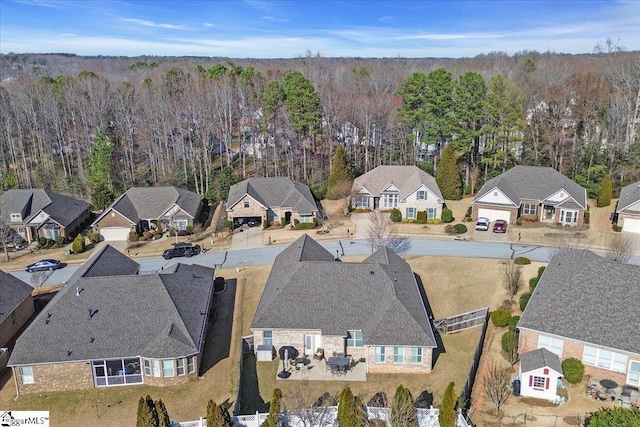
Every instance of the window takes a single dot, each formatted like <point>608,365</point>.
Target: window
<point>190,366</point>
<point>421,195</point>
<point>27,375</point>
<point>306,218</point>
<point>180,366</point>
<point>529,209</point>
<point>267,337</point>
<point>390,200</point>
<point>167,368</point>
<point>589,356</point>
<point>13,318</point>
<point>379,354</point>
<point>147,367</point>
<point>354,339</point>
<point>156,368</point>
<point>181,224</point>
<point>398,354</point>
<point>246,203</point>
<point>554,345</point>
<point>416,355</point>
<point>410,213</point>
<point>619,363</point>
<point>431,213</point>
<point>362,202</point>
<point>538,382</point>
<point>604,359</point>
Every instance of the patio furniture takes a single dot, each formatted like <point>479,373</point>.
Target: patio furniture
<point>608,384</point>
<point>319,354</point>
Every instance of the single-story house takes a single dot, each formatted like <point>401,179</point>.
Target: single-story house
<point>407,188</point>
<point>110,326</point>
<point>539,373</point>
<point>628,208</point>
<point>586,307</point>
<point>143,208</point>
<point>271,200</point>
<point>536,192</point>
<point>16,308</point>
<point>371,310</point>
<point>38,212</point>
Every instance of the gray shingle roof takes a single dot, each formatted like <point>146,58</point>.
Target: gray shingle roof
<point>539,358</point>
<point>533,183</point>
<point>62,209</point>
<point>107,261</point>
<point>407,178</point>
<point>274,192</point>
<point>629,195</point>
<point>584,297</point>
<point>12,292</point>
<point>159,316</point>
<point>379,296</point>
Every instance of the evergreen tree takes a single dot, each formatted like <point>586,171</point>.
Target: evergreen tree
<point>275,408</point>
<point>403,411</point>
<point>217,416</point>
<point>301,102</point>
<point>143,413</point>
<point>604,196</point>
<point>101,196</point>
<point>225,180</point>
<point>447,415</point>
<point>163,416</point>
<point>350,412</point>
<point>341,177</point>
<point>448,175</point>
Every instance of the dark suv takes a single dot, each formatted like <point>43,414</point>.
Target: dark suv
<point>181,249</point>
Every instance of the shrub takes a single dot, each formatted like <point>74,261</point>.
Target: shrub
<point>533,282</point>
<point>42,241</point>
<point>422,217</point>
<point>172,231</point>
<point>133,236</point>
<point>147,235</point>
<point>447,215</point>
<point>500,317</point>
<point>78,244</point>
<point>141,239</point>
<point>296,222</point>
<point>305,225</point>
<point>434,221</point>
<point>604,196</point>
<point>617,228</point>
<point>449,229</point>
<point>182,233</point>
<point>513,323</point>
<point>519,222</point>
<point>60,240</point>
<point>540,271</point>
<point>159,228</point>
<point>522,261</point>
<point>94,237</point>
<point>573,370</point>
<point>189,229</point>
<point>228,224</point>
<point>157,235</point>
<point>524,300</point>
<point>460,228</point>
<point>587,217</point>
<point>396,215</point>
<point>469,210</point>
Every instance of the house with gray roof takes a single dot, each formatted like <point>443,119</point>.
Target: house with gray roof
<point>141,209</point>
<point>628,208</point>
<point>586,307</point>
<point>110,326</point>
<point>534,193</point>
<point>407,188</point>
<point>39,212</point>
<point>539,373</point>
<point>268,200</point>
<point>371,310</point>
<point>16,308</point>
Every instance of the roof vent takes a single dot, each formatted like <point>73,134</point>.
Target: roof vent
<point>91,312</point>
<point>372,272</point>
<point>78,290</point>
<point>46,321</point>
<point>92,339</point>
<point>69,352</point>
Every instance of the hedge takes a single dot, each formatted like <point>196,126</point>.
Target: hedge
<point>533,282</point>
<point>513,323</point>
<point>524,300</point>
<point>500,317</point>
<point>521,260</point>
<point>396,215</point>
<point>573,370</point>
<point>460,228</point>
<point>447,215</point>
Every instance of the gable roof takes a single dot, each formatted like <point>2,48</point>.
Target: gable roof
<point>170,323</point>
<point>106,261</point>
<point>540,358</point>
<point>12,292</point>
<point>151,202</point>
<point>271,192</point>
<point>308,290</point>
<point>533,183</point>
<point>62,209</point>
<point>406,178</point>
<point>584,297</point>
<point>629,195</point>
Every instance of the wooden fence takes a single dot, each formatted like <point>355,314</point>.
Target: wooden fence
<point>460,322</point>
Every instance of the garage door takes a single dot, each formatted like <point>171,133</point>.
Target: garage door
<point>494,214</point>
<point>631,225</point>
<point>115,233</point>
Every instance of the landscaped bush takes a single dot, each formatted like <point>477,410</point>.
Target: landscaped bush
<point>460,228</point>
<point>94,237</point>
<point>157,235</point>
<point>573,370</point>
<point>396,215</point>
<point>513,323</point>
<point>189,229</point>
<point>524,300</point>
<point>42,241</point>
<point>133,236</point>
<point>449,229</point>
<point>361,210</point>
<point>60,240</point>
<point>305,225</point>
<point>228,224</point>
<point>540,271</point>
<point>296,221</point>
<point>447,215</point>
<point>508,339</point>
<point>141,239</point>
<point>533,282</point>
<point>422,217</point>
<point>434,221</point>
<point>587,217</point>
<point>78,244</point>
<point>617,228</point>
<point>500,317</point>
<point>521,260</point>
<point>469,211</point>
<point>182,233</point>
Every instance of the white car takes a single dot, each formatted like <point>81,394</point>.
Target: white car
<point>482,224</point>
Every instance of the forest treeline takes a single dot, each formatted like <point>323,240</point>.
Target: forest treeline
<point>94,126</point>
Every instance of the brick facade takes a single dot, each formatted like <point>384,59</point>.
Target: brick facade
<point>23,312</point>
<point>407,366</point>
<point>114,219</point>
<point>56,377</point>
<point>513,212</point>
<point>255,209</point>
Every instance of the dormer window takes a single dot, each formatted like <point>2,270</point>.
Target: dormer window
<point>16,217</point>
<point>246,203</point>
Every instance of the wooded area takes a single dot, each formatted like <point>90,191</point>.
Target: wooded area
<point>84,125</point>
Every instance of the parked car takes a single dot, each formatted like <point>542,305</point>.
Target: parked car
<point>253,223</point>
<point>500,226</point>
<point>44,265</point>
<point>482,224</point>
<point>181,249</point>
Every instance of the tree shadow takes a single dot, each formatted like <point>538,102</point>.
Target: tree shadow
<point>440,345</point>
<point>424,400</point>
<point>218,343</point>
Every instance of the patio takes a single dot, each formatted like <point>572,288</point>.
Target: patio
<point>318,370</point>
<point>609,391</point>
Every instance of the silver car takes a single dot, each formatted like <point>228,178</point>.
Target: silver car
<point>482,224</point>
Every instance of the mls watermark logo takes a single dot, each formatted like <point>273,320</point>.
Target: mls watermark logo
<point>24,418</point>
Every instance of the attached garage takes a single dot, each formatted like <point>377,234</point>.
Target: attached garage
<point>631,225</point>
<point>494,214</point>
<point>115,233</point>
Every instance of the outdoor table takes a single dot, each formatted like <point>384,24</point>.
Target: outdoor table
<point>608,385</point>
<point>339,361</point>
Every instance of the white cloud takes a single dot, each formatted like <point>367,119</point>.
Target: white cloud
<point>146,23</point>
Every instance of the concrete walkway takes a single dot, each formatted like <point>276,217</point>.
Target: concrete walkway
<point>246,238</point>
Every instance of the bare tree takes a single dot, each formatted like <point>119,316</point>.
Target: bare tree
<point>512,278</point>
<point>569,241</point>
<point>496,385</point>
<point>38,278</point>
<point>382,233</point>
<point>7,236</point>
<point>307,413</point>
<point>622,247</point>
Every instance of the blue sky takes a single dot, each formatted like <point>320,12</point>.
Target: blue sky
<point>288,29</point>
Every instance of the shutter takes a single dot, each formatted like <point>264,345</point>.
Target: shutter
<point>530,380</point>
<point>546,387</point>
<point>546,371</point>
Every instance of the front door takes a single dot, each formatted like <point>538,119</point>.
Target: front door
<point>311,343</point>
<point>633,376</point>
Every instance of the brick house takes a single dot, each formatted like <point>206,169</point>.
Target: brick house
<point>586,307</point>
<point>142,208</point>
<point>270,200</point>
<point>540,193</point>
<point>38,212</point>
<point>407,188</point>
<point>110,326</point>
<point>371,309</point>
<point>16,308</point>
<point>628,208</point>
